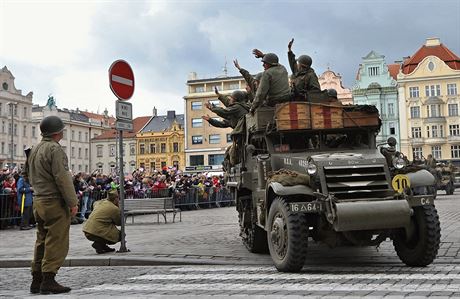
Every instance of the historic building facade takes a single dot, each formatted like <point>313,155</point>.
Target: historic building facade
<point>329,79</point>
<point>105,148</point>
<point>429,102</point>
<point>17,132</point>
<point>204,144</point>
<point>376,85</point>
<point>160,143</point>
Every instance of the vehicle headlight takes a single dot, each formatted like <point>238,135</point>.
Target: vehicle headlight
<point>399,163</point>
<point>311,168</point>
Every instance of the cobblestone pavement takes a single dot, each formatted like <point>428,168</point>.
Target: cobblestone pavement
<point>439,281</point>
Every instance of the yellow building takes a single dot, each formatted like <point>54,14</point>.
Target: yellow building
<point>204,144</point>
<point>160,143</point>
<point>429,101</point>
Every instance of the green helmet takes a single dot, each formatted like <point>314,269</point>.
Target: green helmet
<point>305,60</point>
<point>51,125</point>
<point>270,58</point>
<point>239,96</point>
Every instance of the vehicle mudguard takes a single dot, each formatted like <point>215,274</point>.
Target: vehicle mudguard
<point>281,190</point>
<point>421,178</point>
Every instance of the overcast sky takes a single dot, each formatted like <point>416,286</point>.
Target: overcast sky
<point>65,48</point>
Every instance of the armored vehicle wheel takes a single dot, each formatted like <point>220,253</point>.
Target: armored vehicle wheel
<point>287,237</point>
<point>256,238</point>
<point>420,248</point>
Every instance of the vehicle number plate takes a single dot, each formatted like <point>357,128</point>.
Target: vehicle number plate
<point>305,207</point>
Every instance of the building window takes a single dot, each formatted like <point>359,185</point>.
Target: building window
<point>229,138</point>
<point>234,86</point>
<point>152,166</point>
<point>454,130</point>
<point>392,128</point>
<point>199,89</point>
<point>3,148</point>
<point>163,147</point>
<point>99,151</point>
<point>373,71</point>
<point>24,111</point>
<point>73,135</point>
<point>79,153</point>
<point>24,131</point>
<point>111,150</point>
<point>141,149</point>
<point>452,89</point>
<point>215,159</point>
<point>34,131</point>
<point>79,136</point>
<point>197,105</point>
<point>197,139</point>
<point>86,153</point>
<point>196,160</point>
<point>86,136</point>
<point>436,131</point>
<point>416,132</point>
<point>436,151</point>
<point>416,152</point>
<point>175,147</point>
<point>152,148</point>
<point>132,149</point>
<point>455,151</point>
<point>214,103</point>
<point>72,152</point>
<point>414,92</point>
<point>15,149</point>
<point>453,109</point>
<point>176,164</point>
<point>15,129</point>
<point>197,122</point>
<point>3,126</point>
<point>415,112</point>
<point>391,109</point>
<point>214,139</point>
<point>434,110</point>
<point>432,90</point>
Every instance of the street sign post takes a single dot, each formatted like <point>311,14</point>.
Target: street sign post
<point>121,78</point>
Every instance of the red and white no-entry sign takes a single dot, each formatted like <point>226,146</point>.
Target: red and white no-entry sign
<point>121,79</point>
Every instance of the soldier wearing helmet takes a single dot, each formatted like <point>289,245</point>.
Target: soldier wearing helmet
<point>304,78</point>
<point>252,82</point>
<point>274,84</point>
<point>55,202</point>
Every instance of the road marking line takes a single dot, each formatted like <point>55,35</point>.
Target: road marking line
<point>122,80</point>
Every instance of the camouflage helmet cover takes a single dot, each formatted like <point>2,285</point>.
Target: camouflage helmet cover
<point>239,95</point>
<point>51,125</point>
<point>270,58</point>
<point>304,60</point>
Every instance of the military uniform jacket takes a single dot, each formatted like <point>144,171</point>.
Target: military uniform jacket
<point>273,87</point>
<point>48,172</point>
<point>232,113</point>
<point>251,83</point>
<point>303,79</point>
<point>103,220</point>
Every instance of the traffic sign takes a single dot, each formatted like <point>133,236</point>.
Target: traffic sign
<point>121,78</point>
<point>124,110</point>
<point>124,125</point>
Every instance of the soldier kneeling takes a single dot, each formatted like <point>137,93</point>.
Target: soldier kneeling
<point>101,226</point>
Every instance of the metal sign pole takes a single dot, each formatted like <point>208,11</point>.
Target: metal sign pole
<point>122,193</point>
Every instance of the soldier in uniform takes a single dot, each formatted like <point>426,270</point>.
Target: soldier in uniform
<point>101,226</point>
<point>303,78</point>
<point>252,82</point>
<point>55,202</point>
<point>233,117</point>
<point>274,84</point>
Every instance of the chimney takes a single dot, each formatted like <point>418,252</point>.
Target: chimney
<point>154,111</point>
<point>192,76</point>
<point>171,114</point>
<point>432,42</point>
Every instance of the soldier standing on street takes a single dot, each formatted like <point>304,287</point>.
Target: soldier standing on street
<point>55,202</point>
<point>304,78</point>
<point>274,84</point>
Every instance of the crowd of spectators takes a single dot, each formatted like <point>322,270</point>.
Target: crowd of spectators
<point>189,191</point>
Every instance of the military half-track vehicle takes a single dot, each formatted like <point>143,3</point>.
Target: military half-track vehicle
<point>313,171</point>
<point>445,178</point>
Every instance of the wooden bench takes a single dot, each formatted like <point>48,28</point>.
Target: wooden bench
<point>144,206</point>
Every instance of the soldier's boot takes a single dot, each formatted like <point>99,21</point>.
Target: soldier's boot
<point>108,249</point>
<point>50,286</point>
<point>36,282</point>
<point>100,247</point>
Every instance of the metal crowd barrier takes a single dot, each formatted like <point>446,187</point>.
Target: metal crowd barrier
<point>10,211</point>
<point>196,198</point>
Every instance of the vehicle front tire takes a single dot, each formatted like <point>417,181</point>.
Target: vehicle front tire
<point>287,237</point>
<point>421,247</point>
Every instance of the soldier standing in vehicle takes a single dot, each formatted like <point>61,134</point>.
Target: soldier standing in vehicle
<point>55,202</point>
<point>274,84</point>
<point>252,82</point>
<point>304,78</point>
<point>430,161</point>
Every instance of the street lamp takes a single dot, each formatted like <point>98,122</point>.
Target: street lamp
<point>11,104</point>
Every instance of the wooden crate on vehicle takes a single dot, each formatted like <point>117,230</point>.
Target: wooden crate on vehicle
<point>360,119</point>
<point>326,116</point>
<point>261,118</point>
<point>293,116</point>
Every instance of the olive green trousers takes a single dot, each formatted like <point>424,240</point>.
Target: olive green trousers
<point>52,244</point>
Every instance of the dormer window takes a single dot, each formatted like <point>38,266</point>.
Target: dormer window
<point>5,86</point>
